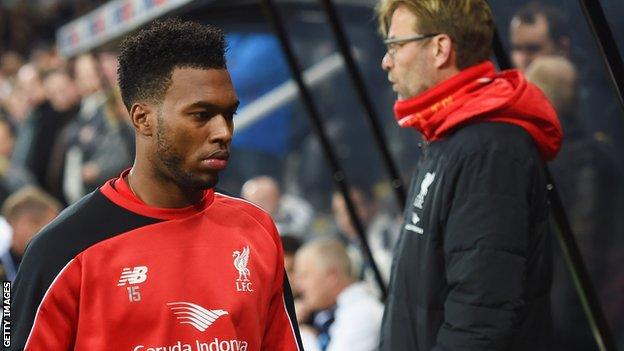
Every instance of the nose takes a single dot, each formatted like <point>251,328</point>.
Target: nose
<point>221,130</point>
<point>386,62</point>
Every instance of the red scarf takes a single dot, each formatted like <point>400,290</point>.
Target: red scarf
<point>478,93</point>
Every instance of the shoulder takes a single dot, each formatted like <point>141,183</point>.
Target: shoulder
<point>359,302</point>
<point>246,208</point>
<point>491,137</point>
<point>59,235</point>
<point>92,219</point>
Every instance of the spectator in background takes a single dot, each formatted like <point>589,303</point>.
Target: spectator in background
<point>10,63</point>
<point>27,211</point>
<point>47,58</point>
<point>590,186</point>
<point>538,30</point>
<point>12,177</point>
<point>99,143</point>
<point>15,104</point>
<point>63,95</point>
<point>557,77</point>
<point>25,24</point>
<point>290,213</point>
<point>382,231</point>
<point>13,100</point>
<point>347,315</point>
<point>108,65</point>
<point>61,91</point>
<point>36,134</point>
<point>82,133</point>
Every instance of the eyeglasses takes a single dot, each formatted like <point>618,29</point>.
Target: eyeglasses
<point>393,44</point>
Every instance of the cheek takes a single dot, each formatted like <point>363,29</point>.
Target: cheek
<point>409,67</point>
<point>315,287</point>
<point>172,140</point>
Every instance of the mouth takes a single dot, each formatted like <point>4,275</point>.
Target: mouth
<point>392,83</point>
<point>216,161</point>
<point>219,155</point>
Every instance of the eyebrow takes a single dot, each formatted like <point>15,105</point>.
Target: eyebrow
<point>210,106</point>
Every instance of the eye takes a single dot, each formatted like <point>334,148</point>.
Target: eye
<point>230,115</point>
<point>200,114</point>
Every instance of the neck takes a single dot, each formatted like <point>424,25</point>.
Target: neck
<point>345,283</point>
<point>447,73</point>
<point>157,190</point>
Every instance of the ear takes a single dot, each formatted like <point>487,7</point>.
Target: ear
<point>444,53</point>
<point>143,117</point>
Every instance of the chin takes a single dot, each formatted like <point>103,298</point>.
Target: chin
<point>198,182</point>
<point>205,184</point>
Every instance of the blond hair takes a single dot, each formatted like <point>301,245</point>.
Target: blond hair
<point>468,23</point>
<point>557,77</point>
<point>329,253</point>
<point>31,200</point>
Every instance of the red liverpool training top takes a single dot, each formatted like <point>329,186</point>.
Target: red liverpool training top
<point>111,273</point>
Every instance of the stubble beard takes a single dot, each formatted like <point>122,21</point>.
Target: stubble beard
<point>173,162</point>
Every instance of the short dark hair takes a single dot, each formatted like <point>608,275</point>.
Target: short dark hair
<point>147,59</point>
<point>558,22</point>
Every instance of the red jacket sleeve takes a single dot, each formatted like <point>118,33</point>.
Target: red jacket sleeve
<point>56,318</point>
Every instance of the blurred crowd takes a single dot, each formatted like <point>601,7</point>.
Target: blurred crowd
<point>64,131</point>
<point>29,26</point>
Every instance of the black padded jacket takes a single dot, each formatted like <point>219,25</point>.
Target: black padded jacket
<point>472,267</point>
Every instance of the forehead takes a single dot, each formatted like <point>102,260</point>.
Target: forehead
<point>306,261</point>
<point>403,22</point>
<point>536,31</point>
<point>190,85</point>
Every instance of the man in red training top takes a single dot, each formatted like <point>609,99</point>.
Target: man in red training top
<point>155,259</point>
<point>472,269</point>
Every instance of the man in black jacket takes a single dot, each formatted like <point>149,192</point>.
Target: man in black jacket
<point>472,268</point>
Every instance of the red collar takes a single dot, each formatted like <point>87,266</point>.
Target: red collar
<point>118,191</point>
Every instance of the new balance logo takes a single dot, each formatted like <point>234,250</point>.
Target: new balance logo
<point>135,275</point>
<point>195,315</point>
